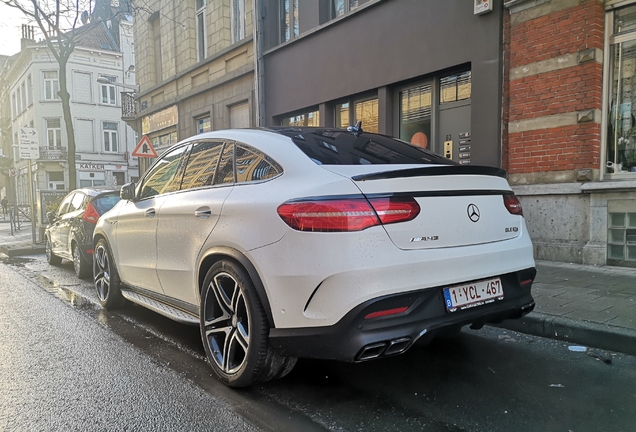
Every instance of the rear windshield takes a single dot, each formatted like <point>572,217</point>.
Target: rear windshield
<point>339,147</point>
<point>103,203</point>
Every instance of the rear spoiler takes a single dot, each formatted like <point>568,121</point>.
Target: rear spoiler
<point>434,171</point>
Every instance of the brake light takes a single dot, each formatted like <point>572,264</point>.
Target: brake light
<point>340,215</point>
<point>513,204</point>
<point>90,214</point>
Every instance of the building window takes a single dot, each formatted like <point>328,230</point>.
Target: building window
<point>110,137</point>
<point>55,180</point>
<point>14,105</point>
<point>29,89</point>
<point>108,91</point>
<point>238,20</point>
<point>454,88</point>
<point>240,116</point>
<point>24,96</point>
<point>204,124</point>
<point>341,7</point>
<point>350,112</point>
<point>53,133</point>
<point>289,20</point>
<point>621,238</point>
<point>200,20</point>
<point>51,85</point>
<point>621,124</point>
<point>311,118</point>
<point>19,100</point>
<point>415,115</point>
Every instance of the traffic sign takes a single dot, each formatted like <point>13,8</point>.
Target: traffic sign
<point>144,148</point>
<point>29,144</point>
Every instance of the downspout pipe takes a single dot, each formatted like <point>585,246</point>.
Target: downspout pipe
<point>259,75</point>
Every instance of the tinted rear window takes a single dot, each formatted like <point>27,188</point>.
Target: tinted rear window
<point>103,203</point>
<point>338,147</point>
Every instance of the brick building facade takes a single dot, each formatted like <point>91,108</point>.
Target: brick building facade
<point>574,170</point>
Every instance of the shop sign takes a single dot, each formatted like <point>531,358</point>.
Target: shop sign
<point>160,120</point>
<point>88,166</point>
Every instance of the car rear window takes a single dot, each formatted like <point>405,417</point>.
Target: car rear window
<point>339,147</point>
<point>103,203</point>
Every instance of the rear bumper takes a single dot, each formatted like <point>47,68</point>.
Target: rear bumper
<point>355,338</point>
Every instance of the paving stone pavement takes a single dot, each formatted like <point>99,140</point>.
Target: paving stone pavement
<point>587,305</point>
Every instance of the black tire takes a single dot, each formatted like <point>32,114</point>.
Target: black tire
<point>105,277</point>
<point>80,264</point>
<point>234,329</point>
<point>51,258</point>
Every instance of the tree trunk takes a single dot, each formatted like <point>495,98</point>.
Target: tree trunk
<point>68,120</point>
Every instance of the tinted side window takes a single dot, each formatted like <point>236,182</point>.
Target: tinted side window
<point>103,203</point>
<point>64,207</point>
<point>77,202</point>
<point>202,165</point>
<point>225,174</point>
<point>165,175</point>
<point>253,165</point>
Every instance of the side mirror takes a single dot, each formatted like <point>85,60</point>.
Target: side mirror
<point>51,217</point>
<point>127,192</point>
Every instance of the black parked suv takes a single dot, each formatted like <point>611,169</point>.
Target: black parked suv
<point>70,231</point>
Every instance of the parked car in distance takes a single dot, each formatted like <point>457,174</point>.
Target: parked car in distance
<point>69,234</point>
<point>314,242</point>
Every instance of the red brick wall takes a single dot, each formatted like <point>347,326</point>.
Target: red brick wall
<point>561,91</point>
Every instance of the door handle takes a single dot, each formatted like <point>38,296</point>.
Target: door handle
<point>150,213</point>
<point>203,213</point>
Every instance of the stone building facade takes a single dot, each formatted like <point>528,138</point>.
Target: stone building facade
<point>195,68</point>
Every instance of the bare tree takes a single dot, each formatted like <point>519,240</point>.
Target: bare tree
<point>58,21</point>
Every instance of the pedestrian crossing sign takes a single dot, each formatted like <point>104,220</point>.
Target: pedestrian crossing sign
<point>144,148</point>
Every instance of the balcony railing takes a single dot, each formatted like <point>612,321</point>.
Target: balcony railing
<point>128,105</point>
<point>53,153</point>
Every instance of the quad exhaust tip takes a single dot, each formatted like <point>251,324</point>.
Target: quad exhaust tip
<point>372,351</point>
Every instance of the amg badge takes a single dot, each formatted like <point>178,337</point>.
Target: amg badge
<point>420,239</point>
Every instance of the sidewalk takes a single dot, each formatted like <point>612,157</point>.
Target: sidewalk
<point>585,305</point>
<point>20,243</point>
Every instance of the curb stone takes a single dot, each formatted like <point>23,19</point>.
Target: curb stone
<point>580,332</point>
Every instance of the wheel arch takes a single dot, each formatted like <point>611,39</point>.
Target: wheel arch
<point>216,254</point>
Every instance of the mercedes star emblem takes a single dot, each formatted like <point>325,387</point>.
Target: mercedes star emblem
<point>473,212</point>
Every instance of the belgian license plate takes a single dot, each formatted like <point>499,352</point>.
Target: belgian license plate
<point>473,294</point>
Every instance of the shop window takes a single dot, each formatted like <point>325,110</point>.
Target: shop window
<point>119,178</point>
<point>415,115</point>
<point>366,111</point>
<point>454,88</point>
<point>311,119</point>
<point>621,124</point>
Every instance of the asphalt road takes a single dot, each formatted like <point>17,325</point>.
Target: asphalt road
<point>66,364</point>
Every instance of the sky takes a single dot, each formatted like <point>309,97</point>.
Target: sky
<point>11,21</point>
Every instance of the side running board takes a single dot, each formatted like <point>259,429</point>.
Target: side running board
<point>161,308</point>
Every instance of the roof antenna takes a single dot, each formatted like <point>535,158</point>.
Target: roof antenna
<point>357,129</point>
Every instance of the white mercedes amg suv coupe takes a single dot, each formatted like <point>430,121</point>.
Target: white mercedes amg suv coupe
<point>314,242</point>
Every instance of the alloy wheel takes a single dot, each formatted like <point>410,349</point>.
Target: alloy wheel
<point>226,323</point>
<point>102,272</point>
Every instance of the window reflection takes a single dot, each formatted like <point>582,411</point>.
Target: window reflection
<point>165,175</point>
<point>367,112</point>
<point>252,165</point>
<point>202,165</point>
<point>306,119</point>
<point>415,115</point>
